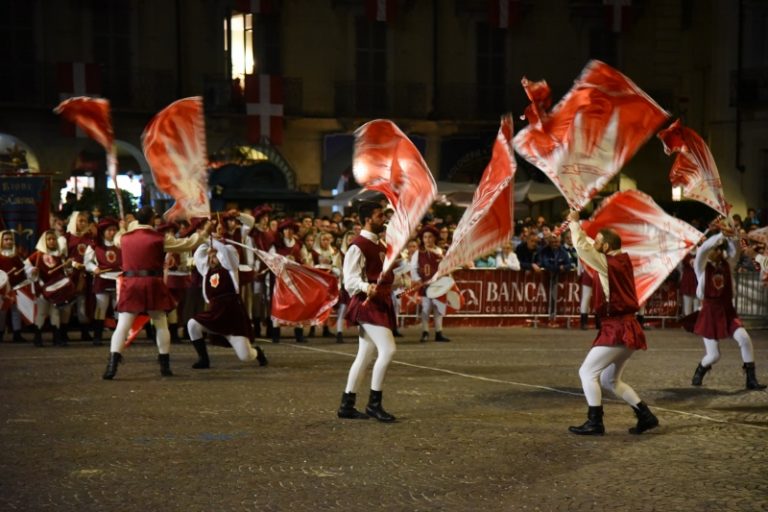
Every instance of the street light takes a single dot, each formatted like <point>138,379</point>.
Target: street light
<point>677,193</point>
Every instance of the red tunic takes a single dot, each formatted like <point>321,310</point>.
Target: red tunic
<point>262,240</point>
<point>10,265</point>
<point>51,276</point>
<point>226,314</point>
<point>379,309</point>
<point>717,318</point>
<point>428,262</point>
<point>143,250</point>
<point>76,246</point>
<point>618,324</point>
<point>108,259</point>
<point>688,281</point>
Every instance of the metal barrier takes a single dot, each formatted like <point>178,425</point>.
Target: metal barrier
<point>752,298</point>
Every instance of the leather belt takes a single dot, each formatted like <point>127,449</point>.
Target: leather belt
<point>143,273</point>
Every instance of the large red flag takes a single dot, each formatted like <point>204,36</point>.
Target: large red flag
<point>387,161</point>
<point>174,144</point>
<point>92,115</point>
<point>654,240</point>
<point>487,223</point>
<point>591,133</point>
<point>694,168</point>
<point>302,295</point>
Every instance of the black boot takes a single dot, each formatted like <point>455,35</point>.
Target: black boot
<point>59,337</point>
<point>594,424</point>
<point>396,333</point>
<point>311,332</point>
<point>583,321</point>
<point>752,383</point>
<point>2,333</point>
<point>339,337</point>
<point>98,332</point>
<point>275,334</point>
<point>149,330</point>
<point>326,332</point>
<point>347,408</point>
<point>18,338</point>
<point>299,333</point>
<point>257,327</point>
<point>202,353</point>
<point>63,336</point>
<point>115,358</point>
<point>375,410</point>
<point>439,337</point>
<point>84,334</point>
<point>698,375</point>
<point>174,329</point>
<point>261,357</point>
<point>597,322</point>
<point>38,339</point>
<point>646,420</point>
<point>165,364</point>
<point>424,336</point>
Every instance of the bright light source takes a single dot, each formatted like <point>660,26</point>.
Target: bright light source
<point>677,193</point>
<point>241,47</point>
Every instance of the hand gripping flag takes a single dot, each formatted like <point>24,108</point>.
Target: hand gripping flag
<point>174,144</point>
<point>591,133</point>
<point>694,168</point>
<point>92,115</point>
<point>302,295</point>
<point>487,223</point>
<point>655,241</point>
<point>387,161</point>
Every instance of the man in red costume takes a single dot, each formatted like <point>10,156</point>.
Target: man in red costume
<point>718,319</point>
<point>424,263</point>
<point>142,287</point>
<point>620,333</point>
<point>13,265</point>
<point>263,238</point>
<point>370,308</point>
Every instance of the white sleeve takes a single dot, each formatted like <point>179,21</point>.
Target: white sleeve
<point>415,267</point>
<point>354,277</point>
<point>201,259</point>
<point>513,262</point>
<point>89,259</point>
<point>227,256</point>
<point>173,244</point>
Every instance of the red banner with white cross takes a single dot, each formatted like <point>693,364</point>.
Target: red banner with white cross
<point>264,107</point>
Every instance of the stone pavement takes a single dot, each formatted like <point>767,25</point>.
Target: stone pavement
<point>482,426</point>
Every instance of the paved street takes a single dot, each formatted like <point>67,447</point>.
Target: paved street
<point>482,426</point>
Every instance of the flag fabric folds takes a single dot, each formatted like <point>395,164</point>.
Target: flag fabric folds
<point>591,133</point>
<point>694,168</point>
<point>386,160</point>
<point>654,240</point>
<point>93,116</point>
<point>302,295</point>
<point>174,145</point>
<point>488,222</point>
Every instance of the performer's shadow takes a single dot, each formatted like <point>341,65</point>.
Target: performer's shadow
<point>697,392</point>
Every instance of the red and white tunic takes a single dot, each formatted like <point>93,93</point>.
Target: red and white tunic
<point>363,264</point>
<point>424,265</point>
<point>107,258</point>
<point>717,318</point>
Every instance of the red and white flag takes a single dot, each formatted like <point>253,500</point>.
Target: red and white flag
<point>264,107</point>
<point>503,13</point>
<point>138,324</point>
<point>93,116</point>
<point>541,99</point>
<point>386,160</point>
<point>381,10</point>
<point>759,235</point>
<point>694,168</point>
<point>254,6</point>
<point>488,222</point>
<point>591,133</point>
<point>302,295</point>
<point>174,145</point>
<point>77,79</point>
<point>654,240</point>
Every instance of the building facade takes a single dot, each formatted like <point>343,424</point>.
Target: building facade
<point>443,70</point>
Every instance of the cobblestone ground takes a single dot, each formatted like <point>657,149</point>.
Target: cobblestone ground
<point>482,426</point>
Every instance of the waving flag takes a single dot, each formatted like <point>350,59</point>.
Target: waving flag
<point>387,161</point>
<point>694,168</point>
<point>302,295</point>
<point>92,115</point>
<point>174,144</point>
<point>655,241</point>
<point>487,223</point>
<point>591,133</point>
<point>759,235</point>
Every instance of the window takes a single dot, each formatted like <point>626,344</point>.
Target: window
<point>371,66</point>
<point>239,42</point>
<point>112,49</point>
<point>490,69</point>
<point>18,81</point>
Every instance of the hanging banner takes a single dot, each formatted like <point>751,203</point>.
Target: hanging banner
<point>25,208</point>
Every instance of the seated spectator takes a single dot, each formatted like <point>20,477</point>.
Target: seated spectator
<point>526,253</point>
<point>553,257</point>
<point>486,261</point>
